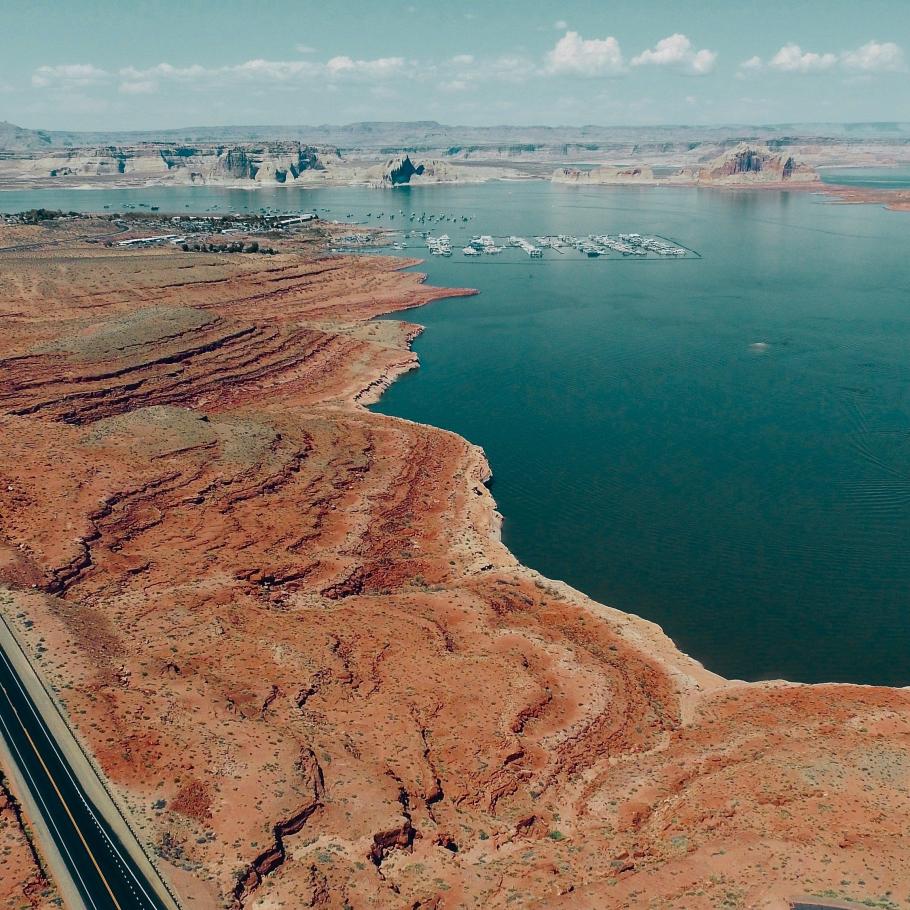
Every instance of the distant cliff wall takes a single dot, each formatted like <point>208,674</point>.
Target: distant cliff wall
<point>278,162</point>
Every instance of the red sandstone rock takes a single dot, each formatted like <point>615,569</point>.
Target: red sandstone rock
<point>288,631</point>
<point>23,883</point>
<point>749,164</point>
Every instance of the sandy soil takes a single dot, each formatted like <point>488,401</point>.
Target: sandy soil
<point>22,879</point>
<point>896,200</point>
<point>286,627</point>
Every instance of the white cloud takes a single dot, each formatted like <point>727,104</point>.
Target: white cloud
<point>337,69</point>
<point>875,57</point>
<point>749,67</point>
<point>792,59</point>
<point>463,59</point>
<point>677,51</point>
<point>164,71</point>
<point>370,69</point>
<point>872,57</point>
<point>579,56</point>
<point>140,87</point>
<point>304,49</point>
<point>560,25</point>
<point>68,75</point>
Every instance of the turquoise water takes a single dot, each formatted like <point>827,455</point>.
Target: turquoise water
<point>879,178</point>
<point>720,444</point>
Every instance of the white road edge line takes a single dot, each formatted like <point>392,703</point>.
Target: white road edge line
<point>76,786</point>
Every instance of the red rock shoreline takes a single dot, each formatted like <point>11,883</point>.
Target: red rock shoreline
<point>289,633</point>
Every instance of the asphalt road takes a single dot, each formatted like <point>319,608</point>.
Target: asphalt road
<point>39,244</point>
<point>101,868</point>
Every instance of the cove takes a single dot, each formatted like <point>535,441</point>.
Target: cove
<point>720,445</point>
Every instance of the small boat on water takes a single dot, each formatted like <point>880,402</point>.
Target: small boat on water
<point>439,246</point>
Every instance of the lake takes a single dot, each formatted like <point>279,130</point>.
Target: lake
<point>877,178</point>
<point>719,443</point>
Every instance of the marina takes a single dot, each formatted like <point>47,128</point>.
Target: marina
<point>590,246</point>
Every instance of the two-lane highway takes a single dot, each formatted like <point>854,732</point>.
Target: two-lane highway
<point>102,870</point>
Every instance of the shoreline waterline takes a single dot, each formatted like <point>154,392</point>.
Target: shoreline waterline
<point>713,445</point>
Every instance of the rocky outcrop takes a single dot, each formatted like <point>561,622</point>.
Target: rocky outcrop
<point>276,854</point>
<point>402,170</point>
<point>607,174</point>
<point>276,163</point>
<point>236,163</point>
<point>747,164</point>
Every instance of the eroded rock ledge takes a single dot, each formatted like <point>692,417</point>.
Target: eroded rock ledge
<point>288,631</point>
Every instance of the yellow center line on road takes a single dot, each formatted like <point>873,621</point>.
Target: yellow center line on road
<point>63,802</point>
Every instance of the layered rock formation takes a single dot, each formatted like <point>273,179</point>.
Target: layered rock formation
<point>748,164</point>
<point>402,170</point>
<point>745,164</point>
<point>246,164</point>
<point>287,629</point>
<point>608,174</point>
<point>267,163</point>
<point>373,149</point>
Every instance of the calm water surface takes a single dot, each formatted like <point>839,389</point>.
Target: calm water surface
<point>720,444</point>
<point>880,178</point>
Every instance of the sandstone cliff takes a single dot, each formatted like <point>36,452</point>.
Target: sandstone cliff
<point>402,170</point>
<point>747,164</point>
<point>264,163</point>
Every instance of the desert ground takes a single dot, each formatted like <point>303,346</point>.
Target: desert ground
<point>288,632</point>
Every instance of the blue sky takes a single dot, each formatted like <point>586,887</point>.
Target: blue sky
<point>160,64</point>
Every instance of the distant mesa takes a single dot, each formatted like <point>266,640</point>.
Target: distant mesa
<point>401,171</point>
<point>607,174</point>
<point>747,164</point>
<point>425,152</point>
<point>36,157</point>
<point>271,163</point>
<point>268,163</point>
